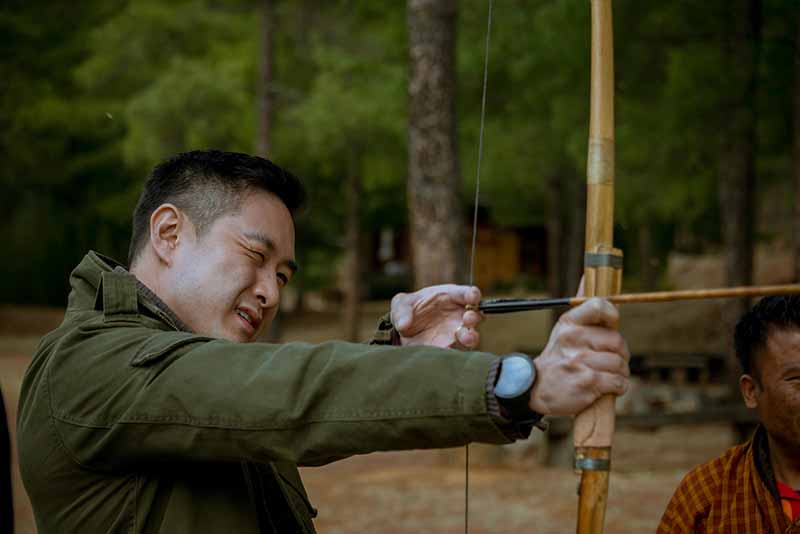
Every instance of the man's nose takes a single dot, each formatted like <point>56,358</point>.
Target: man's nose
<point>267,291</point>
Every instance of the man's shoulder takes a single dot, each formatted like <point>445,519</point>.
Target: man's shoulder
<point>701,488</point>
<point>712,473</point>
<point>92,332</point>
<point>95,351</point>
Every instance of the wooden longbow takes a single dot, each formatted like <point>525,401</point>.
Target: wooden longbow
<point>594,428</point>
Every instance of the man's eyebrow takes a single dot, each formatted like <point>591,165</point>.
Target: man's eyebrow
<point>790,368</point>
<point>269,244</point>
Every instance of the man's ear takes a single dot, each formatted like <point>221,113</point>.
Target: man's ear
<point>165,228</point>
<point>750,389</point>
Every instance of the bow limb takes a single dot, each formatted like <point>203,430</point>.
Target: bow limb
<point>594,428</point>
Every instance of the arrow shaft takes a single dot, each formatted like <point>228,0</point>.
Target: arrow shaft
<point>495,306</point>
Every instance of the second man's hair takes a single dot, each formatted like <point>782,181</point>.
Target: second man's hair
<point>752,330</point>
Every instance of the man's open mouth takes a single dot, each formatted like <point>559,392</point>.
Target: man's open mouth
<point>252,321</point>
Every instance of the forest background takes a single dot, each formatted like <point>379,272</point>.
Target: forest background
<point>96,92</point>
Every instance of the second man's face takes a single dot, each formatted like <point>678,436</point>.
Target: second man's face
<point>778,398</point>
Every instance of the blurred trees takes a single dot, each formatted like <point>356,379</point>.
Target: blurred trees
<point>796,152</point>
<point>61,152</point>
<point>351,124</point>
<point>97,92</point>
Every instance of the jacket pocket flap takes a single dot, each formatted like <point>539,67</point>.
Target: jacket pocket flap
<point>160,345</point>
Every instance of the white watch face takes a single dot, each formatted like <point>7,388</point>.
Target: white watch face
<point>516,377</point>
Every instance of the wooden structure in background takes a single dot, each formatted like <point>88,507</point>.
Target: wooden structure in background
<point>508,255</point>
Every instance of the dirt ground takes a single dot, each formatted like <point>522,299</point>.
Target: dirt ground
<point>423,491</point>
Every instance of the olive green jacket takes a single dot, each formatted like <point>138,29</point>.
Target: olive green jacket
<point>128,424</point>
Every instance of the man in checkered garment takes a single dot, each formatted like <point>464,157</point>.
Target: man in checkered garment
<point>753,487</point>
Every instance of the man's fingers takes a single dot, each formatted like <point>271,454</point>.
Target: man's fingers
<point>594,312</point>
<point>435,299</point>
<point>600,339</point>
<point>465,295</point>
<point>472,319</point>
<point>402,311</point>
<point>431,314</point>
<point>467,338</point>
<point>607,362</point>
<point>402,319</point>
<point>447,295</point>
<point>610,384</point>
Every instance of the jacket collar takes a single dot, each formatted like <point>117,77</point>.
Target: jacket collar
<point>88,290</point>
<point>762,461</point>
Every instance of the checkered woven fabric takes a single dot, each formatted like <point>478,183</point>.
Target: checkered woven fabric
<point>726,496</point>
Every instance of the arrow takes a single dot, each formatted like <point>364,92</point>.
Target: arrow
<point>511,305</point>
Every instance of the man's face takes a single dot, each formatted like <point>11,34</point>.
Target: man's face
<point>227,283</point>
<point>777,400</point>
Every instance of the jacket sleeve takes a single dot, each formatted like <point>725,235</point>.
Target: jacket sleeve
<point>131,395</point>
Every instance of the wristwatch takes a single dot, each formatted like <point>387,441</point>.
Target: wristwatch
<point>515,381</point>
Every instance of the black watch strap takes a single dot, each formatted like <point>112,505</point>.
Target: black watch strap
<point>515,380</point>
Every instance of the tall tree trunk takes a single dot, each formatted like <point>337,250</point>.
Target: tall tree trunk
<point>265,92</point>
<point>352,283</point>
<point>737,160</point>
<point>796,157</point>
<point>434,181</point>
<point>265,110</point>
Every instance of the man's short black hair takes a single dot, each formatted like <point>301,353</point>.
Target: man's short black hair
<point>207,184</point>
<point>752,330</point>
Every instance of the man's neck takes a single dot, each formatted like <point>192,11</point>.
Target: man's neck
<point>785,462</point>
<point>149,284</point>
<point>145,273</point>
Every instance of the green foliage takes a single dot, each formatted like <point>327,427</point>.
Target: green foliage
<point>355,107</point>
<point>193,103</point>
<point>537,102</point>
<point>97,92</point>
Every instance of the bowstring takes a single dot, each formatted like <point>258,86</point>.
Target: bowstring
<point>480,147</point>
<point>475,228</point>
